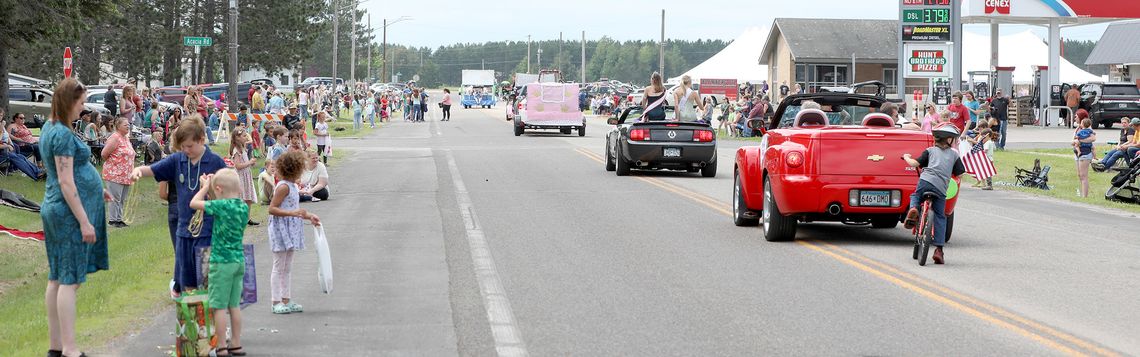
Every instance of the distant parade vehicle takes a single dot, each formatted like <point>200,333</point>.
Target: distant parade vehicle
<point>548,106</point>
<point>659,145</point>
<point>840,163</point>
<point>478,88</point>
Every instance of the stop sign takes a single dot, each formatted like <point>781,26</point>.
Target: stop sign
<point>66,62</point>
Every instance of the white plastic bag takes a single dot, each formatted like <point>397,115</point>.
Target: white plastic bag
<point>324,260</point>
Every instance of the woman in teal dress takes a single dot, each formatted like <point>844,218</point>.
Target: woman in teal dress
<point>75,229</point>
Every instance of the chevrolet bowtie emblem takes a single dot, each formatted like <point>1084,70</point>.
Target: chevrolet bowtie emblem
<point>875,158</point>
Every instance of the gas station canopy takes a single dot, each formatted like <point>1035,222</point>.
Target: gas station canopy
<point>1042,12</point>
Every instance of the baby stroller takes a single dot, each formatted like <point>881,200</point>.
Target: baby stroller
<point>1038,177</point>
<point>1124,187</point>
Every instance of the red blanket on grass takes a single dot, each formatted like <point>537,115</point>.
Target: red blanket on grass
<point>37,236</point>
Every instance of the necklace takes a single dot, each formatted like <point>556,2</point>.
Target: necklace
<point>193,181</point>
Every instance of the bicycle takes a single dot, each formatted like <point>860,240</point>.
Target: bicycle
<point>924,229</point>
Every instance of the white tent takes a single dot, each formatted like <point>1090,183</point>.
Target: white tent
<point>736,61</point>
<point>1021,50</point>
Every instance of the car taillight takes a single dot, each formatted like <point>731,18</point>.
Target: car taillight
<point>639,134</point>
<point>794,159</point>
<point>703,136</point>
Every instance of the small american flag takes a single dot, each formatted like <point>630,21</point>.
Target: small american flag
<point>978,164</point>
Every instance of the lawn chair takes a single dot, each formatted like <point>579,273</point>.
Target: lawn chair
<point>1038,177</point>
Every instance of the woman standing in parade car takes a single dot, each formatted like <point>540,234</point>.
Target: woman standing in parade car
<point>654,101</point>
<point>687,100</point>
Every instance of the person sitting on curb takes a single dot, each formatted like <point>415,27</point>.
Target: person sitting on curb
<point>1126,150</point>
<point>315,180</point>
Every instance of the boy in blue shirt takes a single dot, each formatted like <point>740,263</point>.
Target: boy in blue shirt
<point>184,170</point>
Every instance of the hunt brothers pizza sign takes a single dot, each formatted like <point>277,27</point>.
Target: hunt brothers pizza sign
<point>927,60</point>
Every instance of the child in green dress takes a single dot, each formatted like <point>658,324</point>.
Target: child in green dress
<point>227,259</point>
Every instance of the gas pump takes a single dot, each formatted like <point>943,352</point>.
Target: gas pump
<point>1003,79</point>
<point>1041,93</point>
<point>980,86</point>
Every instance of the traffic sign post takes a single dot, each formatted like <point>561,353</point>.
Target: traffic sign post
<point>198,43</point>
<point>67,62</point>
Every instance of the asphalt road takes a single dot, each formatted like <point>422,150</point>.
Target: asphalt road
<point>457,238</point>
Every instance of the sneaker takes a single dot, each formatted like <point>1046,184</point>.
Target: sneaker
<point>988,188</point>
<point>294,307</point>
<point>911,218</point>
<point>281,309</point>
<point>252,223</point>
<point>938,259</point>
<point>316,199</point>
<point>1098,167</point>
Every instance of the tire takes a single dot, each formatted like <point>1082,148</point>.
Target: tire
<point>777,227</point>
<point>738,206</point>
<point>927,236</point>
<point>949,226</point>
<point>582,130</point>
<point>565,131</point>
<point>610,160</point>
<point>518,130</point>
<point>884,222</point>
<point>709,170</point>
<point>621,166</point>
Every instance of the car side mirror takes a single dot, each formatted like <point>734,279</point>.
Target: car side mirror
<point>755,124</point>
<point>612,121</point>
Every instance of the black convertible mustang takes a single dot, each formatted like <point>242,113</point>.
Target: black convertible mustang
<point>656,145</point>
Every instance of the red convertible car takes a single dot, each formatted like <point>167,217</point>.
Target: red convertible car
<point>838,163</point>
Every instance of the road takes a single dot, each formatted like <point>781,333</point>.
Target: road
<point>457,238</point>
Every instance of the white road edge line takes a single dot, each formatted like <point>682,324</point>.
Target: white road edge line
<point>508,339</point>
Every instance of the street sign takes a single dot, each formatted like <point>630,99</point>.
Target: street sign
<point>926,60</point>
<point>67,62</point>
<point>197,41</point>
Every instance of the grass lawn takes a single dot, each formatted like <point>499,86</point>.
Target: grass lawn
<point>112,302</point>
<point>1062,176</point>
<point>344,121</point>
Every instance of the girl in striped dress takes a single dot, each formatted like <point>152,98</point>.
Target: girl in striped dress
<point>240,157</point>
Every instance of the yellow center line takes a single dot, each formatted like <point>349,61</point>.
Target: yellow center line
<point>942,299</point>
<point>970,300</point>
<point>907,281</point>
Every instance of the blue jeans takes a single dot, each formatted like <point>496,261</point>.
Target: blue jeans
<point>937,207</point>
<point>210,135</point>
<point>1110,159</point>
<point>356,120</point>
<point>417,113</point>
<point>372,119</point>
<point>1004,123</point>
<point>20,162</point>
<point>304,111</point>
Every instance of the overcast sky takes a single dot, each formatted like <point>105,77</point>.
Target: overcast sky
<point>444,22</point>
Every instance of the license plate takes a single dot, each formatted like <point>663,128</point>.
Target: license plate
<point>875,198</point>
<point>672,152</point>
<point>1123,105</point>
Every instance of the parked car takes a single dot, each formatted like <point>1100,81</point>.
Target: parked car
<point>327,81</point>
<point>35,103</point>
<point>838,164</point>
<point>1108,102</point>
<point>171,94</point>
<point>659,145</point>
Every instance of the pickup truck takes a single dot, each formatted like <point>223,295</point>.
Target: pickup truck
<point>1108,102</point>
<point>841,163</point>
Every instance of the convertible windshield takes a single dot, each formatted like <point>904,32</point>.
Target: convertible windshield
<point>634,115</point>
<point>836,114</point>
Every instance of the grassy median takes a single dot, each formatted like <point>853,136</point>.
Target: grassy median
<point>1062,177</point>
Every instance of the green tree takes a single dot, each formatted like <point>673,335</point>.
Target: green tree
<point>27,22</point>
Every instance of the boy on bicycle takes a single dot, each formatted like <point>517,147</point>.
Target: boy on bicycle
<point>939,164</point>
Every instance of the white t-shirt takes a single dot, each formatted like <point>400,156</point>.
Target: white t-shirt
<point>303,98</point>
<point>323,129</point>
<point>310,177</point>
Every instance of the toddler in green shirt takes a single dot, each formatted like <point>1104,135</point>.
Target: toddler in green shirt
<point>227,259</point>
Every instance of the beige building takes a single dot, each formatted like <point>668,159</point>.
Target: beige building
<point>833,52</point>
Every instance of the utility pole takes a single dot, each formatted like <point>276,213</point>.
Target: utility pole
<point>370,39</point>
<point>352,60</point>
<point>558,60</point>
<point>233,71</point>
<point>528,54</point>
<point>336,23</point>
<point>384,55</point>
<point>539,58</point>
<point>661,48</point>
<point>583,56</point>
